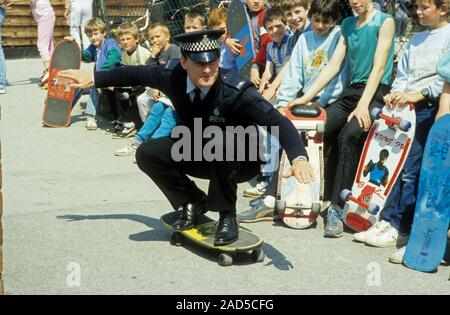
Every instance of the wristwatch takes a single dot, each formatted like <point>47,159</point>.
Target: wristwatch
<point>300,158</point>
<point>426,93</point>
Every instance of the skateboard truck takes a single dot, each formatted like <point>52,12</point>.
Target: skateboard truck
<point>362,200</point>
<point>280,206</point>
<point>391,122</point>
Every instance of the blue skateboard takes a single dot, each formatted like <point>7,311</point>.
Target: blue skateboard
<point>427,242</point>
<point>239,27</point>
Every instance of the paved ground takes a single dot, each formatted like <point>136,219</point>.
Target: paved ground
<point>73,209</point>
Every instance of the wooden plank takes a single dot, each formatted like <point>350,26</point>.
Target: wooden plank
<point>26,32</point>
<point>17,42</point>
<point>26,10</point>
<point>28,21</point>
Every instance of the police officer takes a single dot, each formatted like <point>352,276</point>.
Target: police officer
<point>203,96</point>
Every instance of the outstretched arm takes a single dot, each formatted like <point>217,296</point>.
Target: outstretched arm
<point>123,76</point>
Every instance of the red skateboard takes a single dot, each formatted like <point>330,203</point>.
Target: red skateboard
<point>384,153</point>
<point>58,104</point>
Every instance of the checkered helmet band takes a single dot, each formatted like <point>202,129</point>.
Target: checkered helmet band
<point>204,45</point>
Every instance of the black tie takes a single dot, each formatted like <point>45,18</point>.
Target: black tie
<point>197,99</point>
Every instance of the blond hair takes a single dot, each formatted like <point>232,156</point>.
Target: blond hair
<point>128,28</point>
<point>95,25</point>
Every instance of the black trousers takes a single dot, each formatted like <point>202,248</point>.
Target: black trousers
<point>344,140</point>
<point>155,159</point>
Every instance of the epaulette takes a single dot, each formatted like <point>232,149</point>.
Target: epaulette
<point>234,80</point>
<point>171,64</point>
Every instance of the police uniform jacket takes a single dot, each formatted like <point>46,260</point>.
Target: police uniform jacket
<point>231,101</point>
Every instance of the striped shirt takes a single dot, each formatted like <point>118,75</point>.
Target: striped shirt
<point>278,54</point>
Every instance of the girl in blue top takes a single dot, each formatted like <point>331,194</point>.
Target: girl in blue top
<point>367,41</point>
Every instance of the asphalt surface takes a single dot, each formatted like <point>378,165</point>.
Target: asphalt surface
<point>78,220</point>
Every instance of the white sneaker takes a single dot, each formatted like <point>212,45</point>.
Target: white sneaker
<point>389,237</point>
<point>91,124</point>
<point>2,91</point>
<point>374,230</point>
<point>397,257</point>
<point>258,191</point>
<point>128,150</point>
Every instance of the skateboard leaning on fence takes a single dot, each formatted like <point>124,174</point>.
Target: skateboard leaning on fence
<point>384,153</point>
<point>427,241</point>
<point>58,104</point>
<point>203,235</point>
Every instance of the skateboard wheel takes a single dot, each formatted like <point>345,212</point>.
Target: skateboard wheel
<point>125,96</point>
<point>225,260</point>
<point>404,125</point>
<point>315,208</point>
<point>373,209</point>
<point>320,129</point>
<point>176,239</point>
<point>345,194</point>
<point>280,206</point>
<point>258,255</point>
<point>376,113</point>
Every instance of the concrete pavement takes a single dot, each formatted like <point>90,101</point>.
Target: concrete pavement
<point>78,220</point>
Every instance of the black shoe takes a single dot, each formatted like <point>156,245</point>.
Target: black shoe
<point>227,230</point>
<point>189,214</point>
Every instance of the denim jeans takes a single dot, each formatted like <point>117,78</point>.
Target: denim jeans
<point>93,102</point>
<point>401,202</point>
<point>159,123</point>
<point>2,55</point>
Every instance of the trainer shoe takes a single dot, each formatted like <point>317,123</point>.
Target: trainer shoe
<point>91,124</point>
<point>334,227</point>
<point>389,237</point>
<point>261,210</point>
<point>2,91</point>
<point>397,256</point>
<point>130,149</point>
<point>44,78</point>
<point>128,130</point>
<point>258,191</point>
<point>374,230</point>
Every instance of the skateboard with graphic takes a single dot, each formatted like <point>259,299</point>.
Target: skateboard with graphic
<point>299,205</point>
<point>427,241</point>
<point>384,153</point>
<point>58,104</point>
<point>239,27</point>
<point>203,235</point>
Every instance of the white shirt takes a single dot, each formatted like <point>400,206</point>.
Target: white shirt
<point>190,87</point>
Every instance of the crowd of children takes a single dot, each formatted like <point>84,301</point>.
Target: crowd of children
<point>305,52</point>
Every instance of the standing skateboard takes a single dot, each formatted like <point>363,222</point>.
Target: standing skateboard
<point>428,238</point>
<point>384,153</point>
<point>203,234</point>
<point>299,205</point>
<point>239,27</point>
<point>58,104</point>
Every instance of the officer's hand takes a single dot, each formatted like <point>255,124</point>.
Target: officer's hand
<point>303,171</point>
<point>82,79</point>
